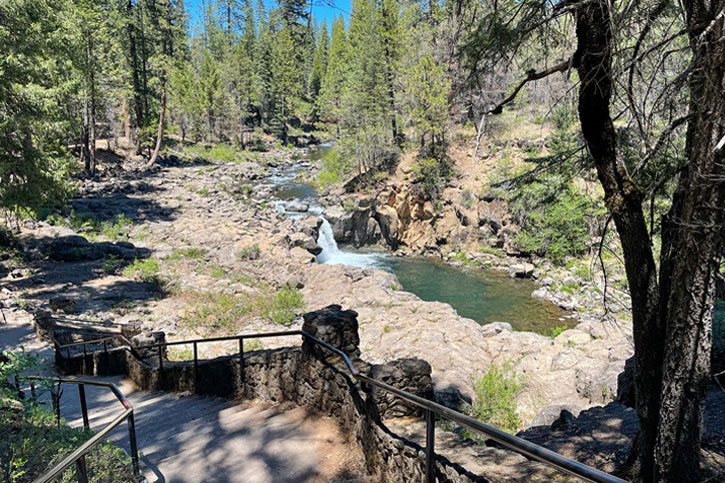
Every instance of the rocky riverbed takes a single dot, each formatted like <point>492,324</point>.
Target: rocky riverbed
<point>213,228</point>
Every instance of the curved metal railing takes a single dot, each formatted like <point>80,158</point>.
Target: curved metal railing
<point>78,455</point>
<point>430,408</point>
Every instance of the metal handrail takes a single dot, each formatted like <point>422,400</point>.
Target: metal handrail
<point>519,445</point>
<point>77,456</point>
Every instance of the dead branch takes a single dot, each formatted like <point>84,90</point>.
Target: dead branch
<point>531,75</point>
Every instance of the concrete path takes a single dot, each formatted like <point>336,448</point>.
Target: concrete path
<point>185,438</point>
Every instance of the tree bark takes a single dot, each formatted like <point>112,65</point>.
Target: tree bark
<point>692,244</point>
<point>593,61</point>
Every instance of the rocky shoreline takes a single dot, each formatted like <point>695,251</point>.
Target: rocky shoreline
<point>224,209</point>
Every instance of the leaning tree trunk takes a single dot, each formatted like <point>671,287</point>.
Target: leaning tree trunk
<point>692,244</point>
<point>624,201</point>
<point>160,133</point>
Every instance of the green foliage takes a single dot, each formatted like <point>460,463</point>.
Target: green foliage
<point>35,443</point>
<point>332,168</point>
<point>427,93</point>
<point>555,218</point>
<point>431,176</point>
<point>496,393</point>
<point>35,86</point>
<point>32,441</point>
<point>283,306</point>
<point>554,332</point>
<point>112,264</point>
<point>217,311</point>
<point>146,271</point>
<point>192,253</point>
<point>91,227</point>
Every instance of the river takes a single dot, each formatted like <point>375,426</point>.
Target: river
<point>484,295</point>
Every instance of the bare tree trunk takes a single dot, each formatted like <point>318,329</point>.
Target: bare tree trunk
<point>126,119</point>
<point>160,133</point>
<point>92,123</point>
<point>624,201</point>
<point>478,137</point>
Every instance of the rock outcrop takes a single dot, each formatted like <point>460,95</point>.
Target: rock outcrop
<point>402,219</point>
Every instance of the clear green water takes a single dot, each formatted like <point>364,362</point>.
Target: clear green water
<point>482,295</point>
<point>479,294</point>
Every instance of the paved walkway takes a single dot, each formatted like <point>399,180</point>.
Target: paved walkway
<point>184,438</point>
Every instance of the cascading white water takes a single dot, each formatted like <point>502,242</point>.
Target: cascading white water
<point>332,255</point>
<point>326,241</point>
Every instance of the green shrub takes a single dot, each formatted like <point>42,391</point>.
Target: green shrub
<point>221,152</point>
<point>116,229</point>
<point>283,306</point>
<point>554,217</point>
<point>111,264</point>
<point>431,176</point>
<point>496,393</point>
<point>32,441</point>
<point>553,332</point>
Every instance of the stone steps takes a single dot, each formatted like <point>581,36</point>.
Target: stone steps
<point>193,438</point>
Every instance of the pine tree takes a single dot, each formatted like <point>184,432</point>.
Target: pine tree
<point>427,93</point>
<point>35,85</point>
<point>319,68</point>
<point>329,100</point>
<point>286,79</point>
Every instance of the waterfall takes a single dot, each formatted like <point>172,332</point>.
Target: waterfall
<point>326,241</point>
<point>332,255</point>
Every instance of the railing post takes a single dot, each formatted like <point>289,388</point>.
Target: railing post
<point>430,436</point>
<point>196,369</point>
<point>241,362</point>
<point>84,407</point>
<point>161,367</point>
<point>82,470</point>
<point>132,442</point>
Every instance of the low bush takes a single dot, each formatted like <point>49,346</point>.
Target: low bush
<point>496,393</point>
<point>146,271</point>
<point>32,440</point>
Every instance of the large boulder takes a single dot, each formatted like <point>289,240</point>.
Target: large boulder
<point>305,241</point>
<point>387,218</point>
<point>521,270</point>
<point>341,222</point>
<point>72,248</point>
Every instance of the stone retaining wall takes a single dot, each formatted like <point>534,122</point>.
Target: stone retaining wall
<point>308,376</point>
